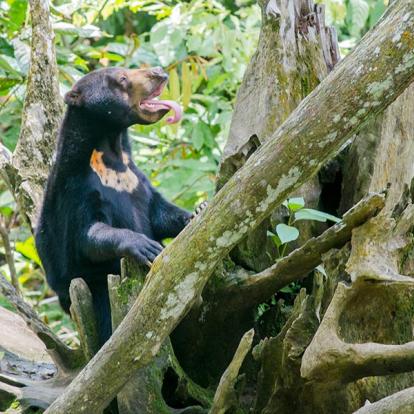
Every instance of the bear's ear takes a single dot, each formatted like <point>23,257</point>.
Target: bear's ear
<point>73,98</point>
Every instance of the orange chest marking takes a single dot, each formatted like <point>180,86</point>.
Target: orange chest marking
<point>118,180</point>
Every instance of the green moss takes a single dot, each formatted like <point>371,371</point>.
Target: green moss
<point>129,287</point>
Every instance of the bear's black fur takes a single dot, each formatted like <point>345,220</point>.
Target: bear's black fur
<point>98,206</point>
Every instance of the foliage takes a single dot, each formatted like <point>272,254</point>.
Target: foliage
<point>204,47</point>
<point>353,18</point>
<point>286,233</point>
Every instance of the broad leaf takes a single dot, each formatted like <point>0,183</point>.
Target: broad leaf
<point>275,238</point>
<point>294,204</point>
<point>286,233</point>
<point>311,214</point>
<point>28,249</point>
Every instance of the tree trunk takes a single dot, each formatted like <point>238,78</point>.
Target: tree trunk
<point>27,170</point>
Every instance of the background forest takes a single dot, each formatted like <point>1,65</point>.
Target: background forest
<point>204,45</point>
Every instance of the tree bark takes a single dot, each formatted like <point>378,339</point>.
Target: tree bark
<point>365,83</point>
<point>295,53</point>
<point>143,393</point>
<point>27,169</point>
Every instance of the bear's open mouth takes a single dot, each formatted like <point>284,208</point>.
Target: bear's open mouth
<point>153,104</point>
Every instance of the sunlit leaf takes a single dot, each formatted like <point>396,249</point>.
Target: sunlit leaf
<point>187,84</point>
<point>28,249</point>
<point>17,13</point>
<point>294,204</point>
<point>174,85</point>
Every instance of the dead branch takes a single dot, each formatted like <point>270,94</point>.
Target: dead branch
<point>328,356</point>
<point>83,314</point>
<point>224,398</point>
<point>143,392</point>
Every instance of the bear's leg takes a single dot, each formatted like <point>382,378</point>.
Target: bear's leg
<point>103,242</point>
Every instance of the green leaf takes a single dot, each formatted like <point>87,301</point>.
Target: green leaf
<point>335,12</point>
<point>294,204</point>
<point>22,54</point>
<point>28,249</point>
<point>311,214</point>
<point>7,203</point>
<point>286,233</point>
<point>275,238</point>
<point>17,13</point>
<point>197,137</point>
<point>377,11</point>
<point>10,65</point>
<point>359,10</point>
<point>4,303</point>
<point>88,30</point>
<point>186,76</point>
<point>7,83</point>
<point>287,289</point>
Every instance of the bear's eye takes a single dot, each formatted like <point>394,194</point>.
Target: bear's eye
<point>123,79</point>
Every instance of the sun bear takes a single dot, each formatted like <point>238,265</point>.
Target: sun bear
<point>98,206</point>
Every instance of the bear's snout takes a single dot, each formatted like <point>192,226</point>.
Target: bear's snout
<point>159,73</point>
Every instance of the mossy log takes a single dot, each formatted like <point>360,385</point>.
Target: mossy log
<point>143,394</point>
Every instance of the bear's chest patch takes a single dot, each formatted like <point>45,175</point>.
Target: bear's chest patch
<point>118,180</point>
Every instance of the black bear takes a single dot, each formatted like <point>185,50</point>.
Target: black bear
<point>98,206</point>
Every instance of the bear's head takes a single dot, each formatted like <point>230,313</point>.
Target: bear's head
<point>123,96</point>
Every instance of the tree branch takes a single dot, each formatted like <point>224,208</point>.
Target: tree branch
<point>398,403</point>
<point>27,170</point>
<point>83,314</point>
<point>312,134</point>
<point>224,397</point>
<point>247,289</point>
<point>4,234</point>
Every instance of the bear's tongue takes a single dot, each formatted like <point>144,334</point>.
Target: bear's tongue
<point>157,104</point>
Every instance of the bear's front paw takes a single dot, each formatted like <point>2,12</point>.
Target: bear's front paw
<point>199,208</point>
<point>144,250</point>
